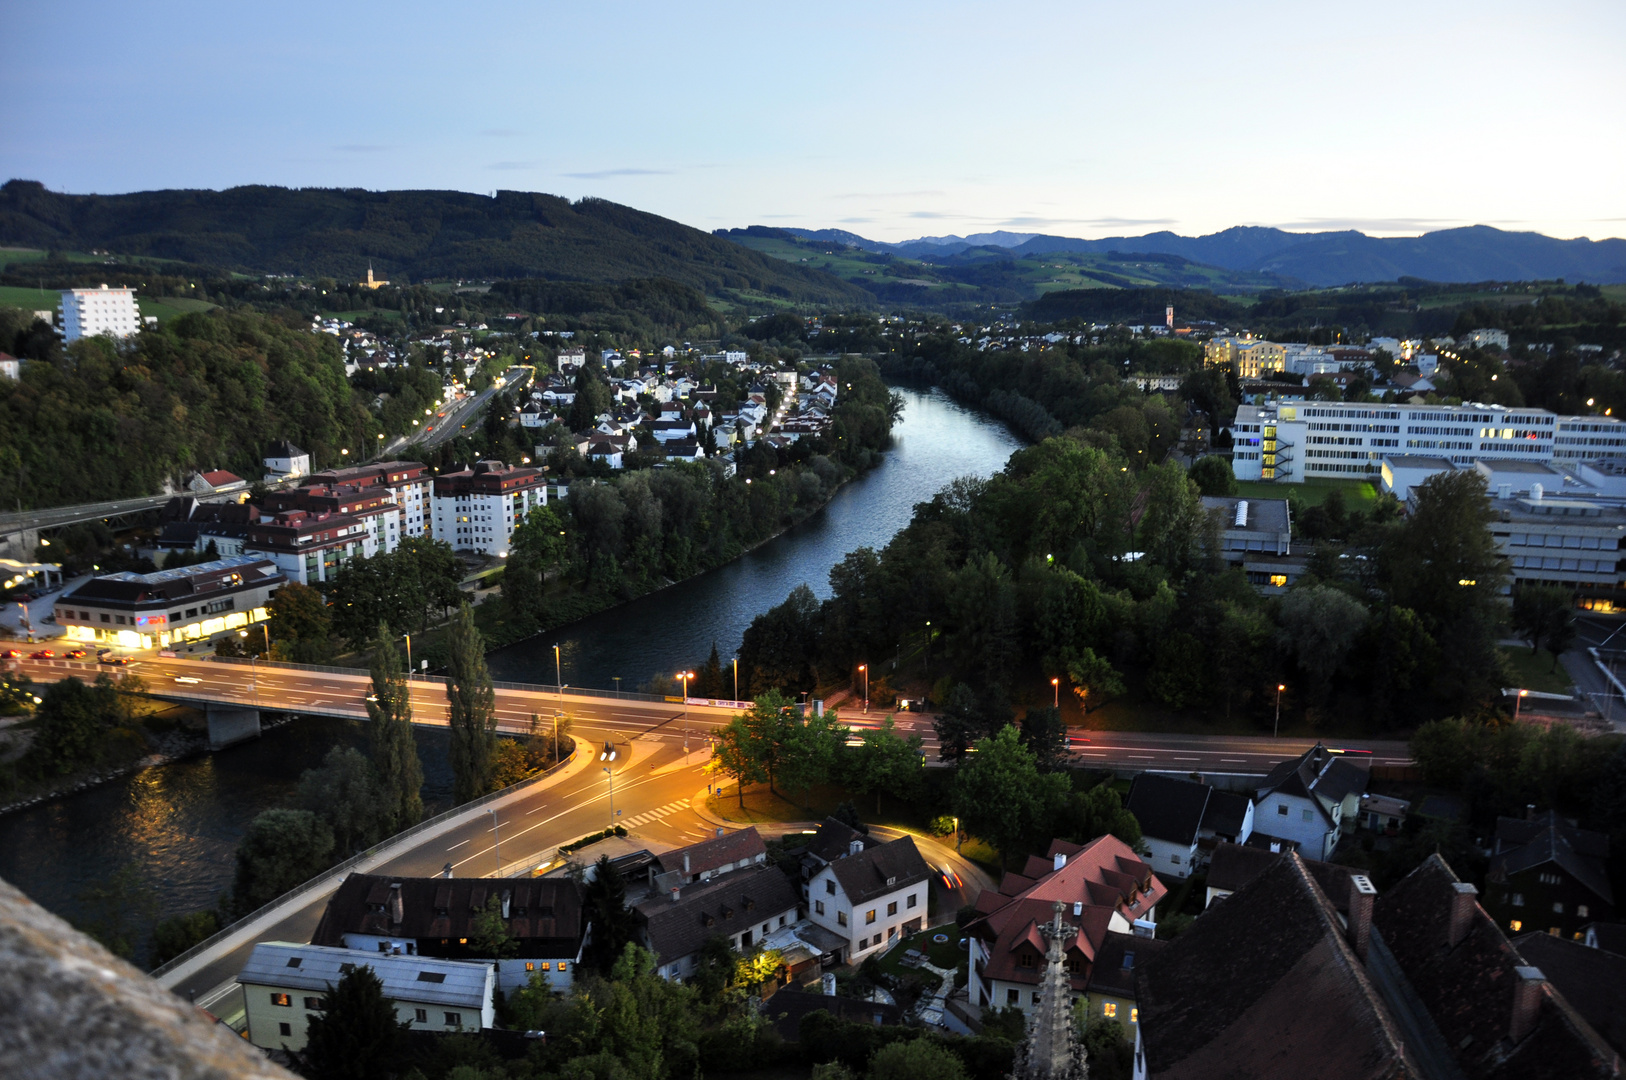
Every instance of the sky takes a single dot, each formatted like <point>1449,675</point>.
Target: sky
<point>888,118</point>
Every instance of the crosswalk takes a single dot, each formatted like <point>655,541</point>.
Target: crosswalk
<point>657,814</point>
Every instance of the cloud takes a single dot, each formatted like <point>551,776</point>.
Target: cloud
<point>362,148</point>
<point>929,214</point>
<point>605,174</point>
<point>1395,224</point>
<point>854,221</point>
<point>512,166</point>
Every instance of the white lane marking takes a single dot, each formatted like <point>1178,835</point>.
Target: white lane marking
<point>457,845</point>
<point>1234,760</point>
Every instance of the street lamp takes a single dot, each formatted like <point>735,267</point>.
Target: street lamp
<point>685,676</point>
<point>1518,701</point>
<point>864,668</point>
<point>736,678</point>
<point>956,834</point>
<point>1278,730</point>
<point>1055,685</point>
<point>559,685</point>
<point>494,848</point>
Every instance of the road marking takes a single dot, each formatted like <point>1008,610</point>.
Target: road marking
<point>1188,759</point>
<point>457,845</point>
<point>1148,757</point>
<point>1234,760</point>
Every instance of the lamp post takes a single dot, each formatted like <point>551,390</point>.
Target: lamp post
<point>1518,701</point>
<point>736,678</point>
<point>607,755</point>
<point>495,850</point>
<point>864,669</point>
<point>409,654</point>
<point>1277,732</point>
<point>956,834</point>
<point>1055,685</point>
<point>559,687</point>
<point>685,676</point>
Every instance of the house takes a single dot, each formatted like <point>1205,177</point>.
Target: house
<point>1110,894</point>
<point>1232,866</point>
<point>1495,1012</point>
<point>682,450</point>
<point>1227,819</point>
<point>1546,874</point>
<point>217,480</point>
<point>1310,799</point>
<point>10,367</point>
<point>700,862</point>
<point>871,895</point>
<point>284,460</point>
<point>1170,811</point>
<point>1592,980</point>
<point>744,907</point>
<point>284,984</point>
<point>1383,813</point>
<point>407,916</point>
<point>1269,983</point>
<point>189,603</point>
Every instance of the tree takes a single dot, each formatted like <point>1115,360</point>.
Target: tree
<point>1320,625</point>
<point>1097,812</point>
<point>604,901</point>
<point>1044,733</point>
<point>538,548</point>
<point>489,936</point>
<point>779,646</point>
<point>117,909</point>
<point>72,722</point>
<point>769,726</point>
<point>1213,476</point>
<point>281,849</point>
<point>395,745</point>
<point>1171,529</point>
<point>915,1059</point>
<point>178,933</point>
<point>808,751</point>
<point>355,1035</point>
<point>1000,795</point>
<point>472,709</point>
<point>964,719</point>
<point>1545,615</point>
<point>300,626</point>
<point>1092,674</point>
<point>1108,1049</point>
<point>734,754</point>
<point>343,793</point>
<point>884,761</point>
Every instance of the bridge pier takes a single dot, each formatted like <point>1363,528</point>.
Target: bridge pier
<point>229,724</point>
<point>19,544</point>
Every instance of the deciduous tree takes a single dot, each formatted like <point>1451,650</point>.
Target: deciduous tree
<point>395,746</point>
<point>471,709</point>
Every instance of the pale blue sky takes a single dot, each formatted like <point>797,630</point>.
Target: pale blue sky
<point>890,119</point>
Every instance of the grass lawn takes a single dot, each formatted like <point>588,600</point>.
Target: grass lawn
<point>30,299</point>
<point>1311,492</point>
<point>949,954</point>
<point>763,807</point>
<point>1532,671</point>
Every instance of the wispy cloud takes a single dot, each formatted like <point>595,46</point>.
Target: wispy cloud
<point>854,221</point>
<point>605,174</point>
<point>931,214</point>
<point>1394,224</point>
<point>362,148</point>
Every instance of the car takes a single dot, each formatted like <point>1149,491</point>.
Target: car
<point>41,654</point>
<point>187,679</point>
<point>951,880</point>
<point>118,661</point>
<point>11,654</point>
<point>77,654</point>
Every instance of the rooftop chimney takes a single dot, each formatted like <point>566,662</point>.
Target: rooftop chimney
<point>1464,898</point>
<point>507,898</point>
<point>1504,491</point>
<point>1059,861</point>
<point>685,864</point>
<point>1078,908</point>
<point>676,893</point>
<point>397,908</point>
<point>1361,895</point>
<point>855,847</point>
<point>1526,1001</point>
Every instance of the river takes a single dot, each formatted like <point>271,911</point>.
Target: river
<point>179,824</point>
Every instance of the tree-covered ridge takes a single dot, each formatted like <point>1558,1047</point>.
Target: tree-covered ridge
<point>411,234</point>
<point>99,420</point>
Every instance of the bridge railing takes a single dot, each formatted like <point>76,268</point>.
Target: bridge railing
<point>441,680</point>
<point>326,877</point>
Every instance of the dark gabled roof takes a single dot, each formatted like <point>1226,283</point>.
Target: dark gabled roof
<point>1342,778</point>
<point>881,869</point>
<point>1113,970</point>
<point>1168,808</point>
<point>786,1009</point>
<point>1524,845</point>
<point>1468,988</point>
<point>833,838</point>
<point>282,448</point>
<point>1227,812</point>
<point>1593,981</point>
<point>545,914</point>
<point>722,907</point>
<point>1265,985</point>
<point>1610,937</point>
<point>717,852</point>
<point>1233,865</point>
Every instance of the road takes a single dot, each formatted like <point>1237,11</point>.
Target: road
<point>465,411</point>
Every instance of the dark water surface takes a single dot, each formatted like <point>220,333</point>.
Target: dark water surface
<point>180,823</point>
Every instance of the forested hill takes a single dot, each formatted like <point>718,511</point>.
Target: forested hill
<point>413,235</point>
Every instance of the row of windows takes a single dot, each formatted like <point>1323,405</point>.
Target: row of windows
<point>1379,428</point>
<point>1438,444</point>
<point>1554,541</point>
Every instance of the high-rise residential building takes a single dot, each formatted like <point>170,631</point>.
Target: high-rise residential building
<point>88,312</point>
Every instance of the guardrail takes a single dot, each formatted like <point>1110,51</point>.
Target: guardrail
<point>326,876</point>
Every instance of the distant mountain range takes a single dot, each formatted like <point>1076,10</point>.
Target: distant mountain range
<point>412,235</point>
<point>1475,253</point>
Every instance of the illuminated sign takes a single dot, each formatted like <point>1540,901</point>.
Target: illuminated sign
<point>152,620</point>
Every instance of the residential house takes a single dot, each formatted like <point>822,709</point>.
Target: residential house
<point>1110,894</point>
<point>1546,874</point>
<point>682,450</point>
<point>408,916</point>
<point>1232,866</point>
<point>285,461</point>
<point>871,895</point>
<point>216,481</point>
<point>1383,813</point>
<point>284,984</point>
<point>724,853</point>
<point>1310,799</point>
<point>1592,980</point>
<point>744,907</point>
<point>1170,811</point>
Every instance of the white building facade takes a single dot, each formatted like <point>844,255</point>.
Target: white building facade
<point>479,508</point>
<point>871,896</point>
<point>88,312</point>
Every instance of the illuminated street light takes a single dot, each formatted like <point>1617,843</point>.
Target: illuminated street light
<point>1055,684</point>
<point>1276,733</point>
<point>864,668</point>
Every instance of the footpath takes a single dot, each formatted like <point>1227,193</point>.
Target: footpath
<point>317,890</point>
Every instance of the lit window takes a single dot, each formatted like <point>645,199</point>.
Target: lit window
<point>1134,1016</point>
<point>1109,1009</point>
<point>1278,580</point>
<point>529,966</point>
<point>1581,910</point>
<point>282,999</point>
<point>869,916</point>
<point>562,966</point>
<point>1515,926</point>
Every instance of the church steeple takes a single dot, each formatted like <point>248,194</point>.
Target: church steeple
<point>1053,1051</point>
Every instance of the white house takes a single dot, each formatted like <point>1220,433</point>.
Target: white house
<point>871,895</point>
<point>1170,811</point>
<point>283,986</point>
<point>284,461</point>
<point>88,312</point>
<point>744,907</point>
<point>1310,800</point>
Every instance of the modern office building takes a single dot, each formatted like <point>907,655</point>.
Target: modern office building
<point>88,312</point>
<point>191,603</point>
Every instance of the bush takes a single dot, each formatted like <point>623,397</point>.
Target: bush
<point>178,933</point>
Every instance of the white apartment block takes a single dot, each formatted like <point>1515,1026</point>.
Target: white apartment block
<point>1295,441</point>
<point>88,312</point>
<point>479,508</point>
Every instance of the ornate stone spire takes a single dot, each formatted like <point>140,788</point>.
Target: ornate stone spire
<point>1053,1052</point>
